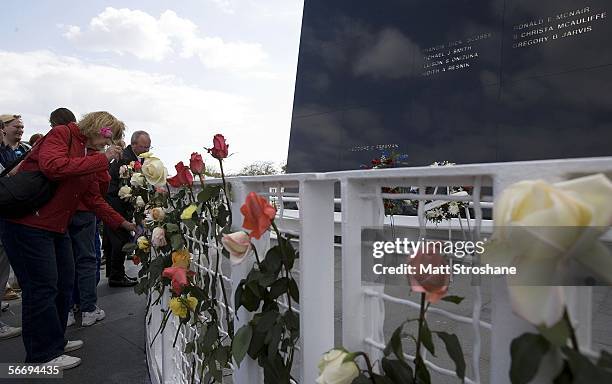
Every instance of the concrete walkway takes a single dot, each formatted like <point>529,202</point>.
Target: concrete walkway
<point>114,349</point>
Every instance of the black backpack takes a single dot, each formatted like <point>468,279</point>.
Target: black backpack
<point>25,192</point>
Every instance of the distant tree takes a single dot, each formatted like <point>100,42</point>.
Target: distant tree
<point>283,167</point>
<point>258,168</point>
<point>212,171</point>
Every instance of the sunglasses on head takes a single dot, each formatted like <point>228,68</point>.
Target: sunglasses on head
<point>15,117</point>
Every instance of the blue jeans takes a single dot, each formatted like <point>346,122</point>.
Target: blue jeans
<point>82,230</point>
<point>98,243</point>
<point>43,263</point>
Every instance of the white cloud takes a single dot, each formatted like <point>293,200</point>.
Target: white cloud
<point>126,31</point>
<point>180,118</point>
<point>225,6</point>
<point>392,55</point>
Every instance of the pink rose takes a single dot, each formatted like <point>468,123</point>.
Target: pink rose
<point>238,244</point>
<point>158,237</point>
<point>434,285</point>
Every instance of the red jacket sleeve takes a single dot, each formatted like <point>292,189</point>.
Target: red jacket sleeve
<point>94,202</point>
<point>55,163</point>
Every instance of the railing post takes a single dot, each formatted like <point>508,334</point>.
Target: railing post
<point>505,325</point>
<point>316,274</point>
<point>249,371</point>
<point>357,212</point>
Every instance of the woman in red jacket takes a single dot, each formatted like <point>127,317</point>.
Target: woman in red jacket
<point>38,245</point>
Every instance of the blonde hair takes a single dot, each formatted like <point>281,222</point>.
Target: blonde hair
<point>91,123</point>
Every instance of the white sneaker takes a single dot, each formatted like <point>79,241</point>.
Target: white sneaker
<point>71,319</point>
<point>64,362</point>
<point>6,332</point>
<point>73,345</point>
<point>89,318</point>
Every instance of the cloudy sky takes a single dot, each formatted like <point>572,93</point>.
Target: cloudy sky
<point>181,70</point>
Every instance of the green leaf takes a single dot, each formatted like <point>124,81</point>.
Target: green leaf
<point>583,370</point>
<point>395,344</point>
<point>176,241</point>
<point>526,351</point>
<point>605,360</point>
<point>453,347</point>
<point>266,321</point>
<point>208,192</point>
<point>291,320</point>
<point>273,338</point>
<point>279,287</point>
<point>212,333</point>
<point>222,215</point>
<point>362,379</point>
<point>265,280</point>
<point>129,248</point>
<point>294,291</point>
<point>272,261</point>
<point>421,372</point>
<point>238,295</point>
<point>453,299</point>
<point>190,347</point>
<point>426,338</point>
<point>257,344</point>
<point>558,334</point>
<point>397,371</point>
<point>241,342</point>
<point>172,228</point>
<point>565,376</point>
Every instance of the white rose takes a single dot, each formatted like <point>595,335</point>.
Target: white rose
<point>158,237</point>
<point>138,180</point>
<point>154,171</point>
<point>333,371</point>
<point>140,202</point>
<point>238,244</point>
<point>525,216</point>
<point>125,192</point>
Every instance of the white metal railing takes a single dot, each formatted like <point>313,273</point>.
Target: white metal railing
<point>315,223</point>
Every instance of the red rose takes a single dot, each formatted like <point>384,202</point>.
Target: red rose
<point>196,164</point>
<point>183,176</point>
<point>220,147</point>
<point>258,214</point>
<point>178,275</point>
<point>434,285</point>
<point>137,166</point>
<point>136,259</point>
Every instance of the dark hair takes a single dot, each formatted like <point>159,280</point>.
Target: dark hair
<point>61,116</point>
<point>35,137</point>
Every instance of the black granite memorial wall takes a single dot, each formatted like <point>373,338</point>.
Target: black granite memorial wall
<point>460,80</point>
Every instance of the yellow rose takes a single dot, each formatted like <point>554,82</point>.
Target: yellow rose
<point>332,370</point>
<point>154,171</point>
<point>180,306</point>
<point>538,227</point>
<point>143,243</point>
<point>181,258</point>
<point>188,212</point>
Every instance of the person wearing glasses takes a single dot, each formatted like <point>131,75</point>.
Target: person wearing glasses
<point>115,240</point>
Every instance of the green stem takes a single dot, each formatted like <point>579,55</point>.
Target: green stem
<point>418,342</point>
<point>572,331</point>
<point>368,364</point>
<point>256,256</point>
<point>229,207</point>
